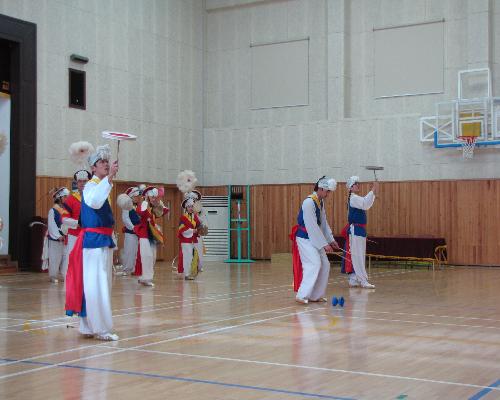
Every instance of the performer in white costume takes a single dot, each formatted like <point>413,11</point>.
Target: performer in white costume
<point>313,238</point>
<point>149,232</point>
<point>188,239</point>
<point>128,203</point>
<point>88,284</point>
<point>202,229</point>
<point>56,235</point>
<point>355,234</point>
<point>72,205</point>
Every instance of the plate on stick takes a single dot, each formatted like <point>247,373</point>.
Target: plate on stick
<point>118,136</point>
<point>374,168</point>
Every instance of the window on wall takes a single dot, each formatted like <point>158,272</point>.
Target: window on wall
<point>77,89</point>
<point>409,60</point>
<point>280,74</point>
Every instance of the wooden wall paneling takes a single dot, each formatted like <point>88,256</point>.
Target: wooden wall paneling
<point>44,184</point>
<point>465,213</point>
<point>212,190</point>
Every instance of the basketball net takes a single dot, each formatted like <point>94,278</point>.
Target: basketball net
<point>468,145</point>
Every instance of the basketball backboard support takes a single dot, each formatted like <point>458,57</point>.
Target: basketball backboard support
<point>474,84</point>
<point>474,115</point>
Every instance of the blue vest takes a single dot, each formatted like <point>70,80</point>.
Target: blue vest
<point>58,221</point>
<point>357,216</point>
<point>134,218</point>
<point>302,233</point>
<point>101,218</point>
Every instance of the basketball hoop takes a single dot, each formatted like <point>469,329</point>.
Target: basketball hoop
<point>468,145</point>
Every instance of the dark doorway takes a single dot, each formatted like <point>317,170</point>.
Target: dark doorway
<point>18,54</point>
<point>5,60</point>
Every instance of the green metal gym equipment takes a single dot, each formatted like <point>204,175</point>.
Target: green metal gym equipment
<point>235,194</point>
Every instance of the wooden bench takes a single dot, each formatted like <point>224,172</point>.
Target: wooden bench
<point>429,250</point>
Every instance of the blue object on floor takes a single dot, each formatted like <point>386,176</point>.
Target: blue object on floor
<point>335,301</point>
<point>341,302</point>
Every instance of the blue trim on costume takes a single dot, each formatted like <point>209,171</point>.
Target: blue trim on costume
<point>58,221</point>
<point>57,218</point>
<point>356,215</point>
<point>82,313</point>
<point>134,217</point>
<point>101,218</point>
<point>67,208</point>
<point>302,233</point>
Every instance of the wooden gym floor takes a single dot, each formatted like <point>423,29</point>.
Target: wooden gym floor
<point>236,333</point>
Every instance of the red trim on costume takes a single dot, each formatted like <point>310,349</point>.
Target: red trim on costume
<point>74,276</point>
<point>180,261</point>
<point>296,261</point>
<point>138,263</point>
<point>73,205</point>
<point>184,224</point>
<point>348,267</point>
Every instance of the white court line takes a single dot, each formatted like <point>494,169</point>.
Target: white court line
<point>435,316</point>
<point>167,303</point>
<point>6,329</point>
<point>215,330</point>
<point>307,367</point>
<point>161,332</point>
<point>420,322</point>
<point>155,307</point>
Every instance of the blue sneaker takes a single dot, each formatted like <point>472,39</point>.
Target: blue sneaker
<point>335,301</point>
<point>341,302</point>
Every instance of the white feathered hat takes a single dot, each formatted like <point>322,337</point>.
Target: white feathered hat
<point>124,202</point>
<point>186,181</point>
<point>327,184</point>
<point>59,192</point>
<point>133,191</point>
<point>101,153</point>
<point>80,151</point>
<point>194,194</point>
<point>351,181</point>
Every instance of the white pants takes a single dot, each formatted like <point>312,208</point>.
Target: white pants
<point>199,248</point>
<point>97,275</point>
<point>358,256</point>
<point>67,252</point>
<point>129,255</point>
<point>56,259</point>
<point>187,257</point>
<point>315,270</point>
<point>148,259</point>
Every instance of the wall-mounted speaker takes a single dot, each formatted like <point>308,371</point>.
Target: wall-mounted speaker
<point>78,58</point>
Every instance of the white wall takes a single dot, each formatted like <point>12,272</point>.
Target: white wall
<point>144,77</point>
<point>344,126</point>
<point>5,111</point>
<point>178,76</point>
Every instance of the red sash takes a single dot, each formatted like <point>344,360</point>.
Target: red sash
<point>296,261</point>
<point>138,262</point>
<point>348,268</point>
<point>74,276</point>
<point>180,260</point>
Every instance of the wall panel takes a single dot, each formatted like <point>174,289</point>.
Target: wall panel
<point>464,212</point>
